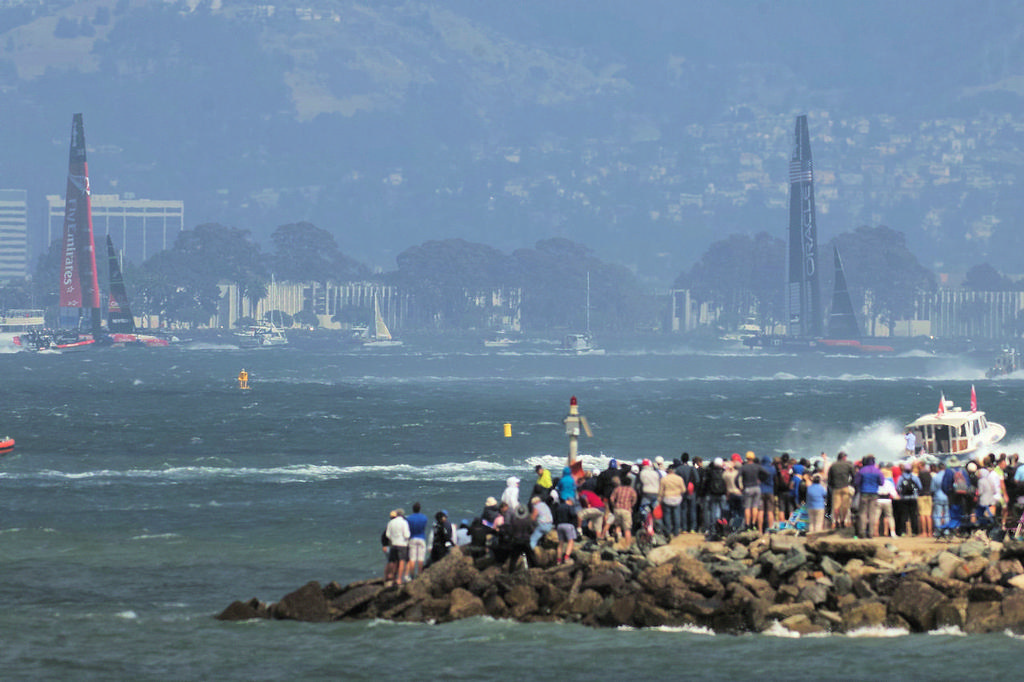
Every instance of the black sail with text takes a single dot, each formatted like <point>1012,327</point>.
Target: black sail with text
<point>803,298</point>
<point>119,315</point>
<point>842,322</point>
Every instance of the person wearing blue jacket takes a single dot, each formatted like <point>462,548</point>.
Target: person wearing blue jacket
<point>567,486</point>
<point>867,482</point>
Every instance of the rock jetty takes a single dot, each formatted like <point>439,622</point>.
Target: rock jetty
<point>746,583</point>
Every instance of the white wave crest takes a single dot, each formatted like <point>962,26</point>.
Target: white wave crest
<point>950,630</point>
<point>689,629</point>
<point>878,631</point>
<point>776,629</point>
<point>474,470</point>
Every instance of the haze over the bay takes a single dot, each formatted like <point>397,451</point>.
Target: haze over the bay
<point>645,131</point>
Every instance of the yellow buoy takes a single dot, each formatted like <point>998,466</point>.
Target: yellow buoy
<point>243,380</point>
<point>508,430</point>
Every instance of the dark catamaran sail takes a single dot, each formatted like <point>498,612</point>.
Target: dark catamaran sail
<point>119,314</point>
<point>842,322</point>
<point>79,285</point>
<point>803,296</point>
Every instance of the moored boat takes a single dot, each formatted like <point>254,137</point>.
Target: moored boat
<point>1007,362</point>
<point>500,340</point>
<point>951,431</point>
<point>580,344</point>
<point>266,335</point>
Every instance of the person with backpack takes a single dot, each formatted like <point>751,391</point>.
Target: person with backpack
<point>716,502</point>
<point>957,487</point>
<point>784,486</point>
<point>797,486</point>
<point>908,487</point>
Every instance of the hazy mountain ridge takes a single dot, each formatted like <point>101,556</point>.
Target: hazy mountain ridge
<point>644,132</point>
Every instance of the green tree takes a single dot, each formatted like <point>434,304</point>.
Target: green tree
<point>439,274</point>
<point>739,274</point>
<point>554,276</point>
<point>984,277</point>
<point>877,259</point>
<point>304,252</point>
<point>212,253</point>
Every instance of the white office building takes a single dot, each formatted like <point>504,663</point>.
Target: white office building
<point>13,234</point>
<point>139,227</point>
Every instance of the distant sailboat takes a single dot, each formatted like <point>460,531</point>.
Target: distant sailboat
<point>803,297</point>
<point>78,285</point>
<point>120,322</point>
<point>842,322</point>
<point>379,334</point>
<point>582,344</point>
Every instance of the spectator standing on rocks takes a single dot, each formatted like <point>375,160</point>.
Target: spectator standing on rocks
<point>905,505</point>
<point>924,500</point>
<point>591,512</point>
<point>750,477</point>
<point>956,484</point>
<point>511,494</point>
<point>768,503</point>
<point>566,485</point>
<point>840,483</point>
<point>733,492</point>
<point>649,484</point>
<point>688,510</point>
<point>543,485</point>
<point>867,482</point>
<point>623,500</point>
<point>816,495</point>
<point>940,501</point>
<point>542,516</point>
<point>886,495</point>
<point>398,548</point>
<point>443,537</point>
<point>716,489</point>
<point>566,521</point>
<point>417,540</point>
<point>520,527</point>
<point>670,495</point>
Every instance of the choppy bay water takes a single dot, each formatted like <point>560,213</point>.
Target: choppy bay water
<point>147,493</point>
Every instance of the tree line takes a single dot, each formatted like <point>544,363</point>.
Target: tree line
<point>740,276</point>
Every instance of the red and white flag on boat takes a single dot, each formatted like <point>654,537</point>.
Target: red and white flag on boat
<point>942,404</point>
<point>974,400</point>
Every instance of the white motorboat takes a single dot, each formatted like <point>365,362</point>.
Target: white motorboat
<point>266,335</point>
<point>951,431</point>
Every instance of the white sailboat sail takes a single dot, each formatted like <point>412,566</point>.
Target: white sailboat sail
<point>379,334</point>
<point>380,329</point>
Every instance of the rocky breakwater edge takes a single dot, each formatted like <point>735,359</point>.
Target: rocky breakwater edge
<point>747,583</point>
